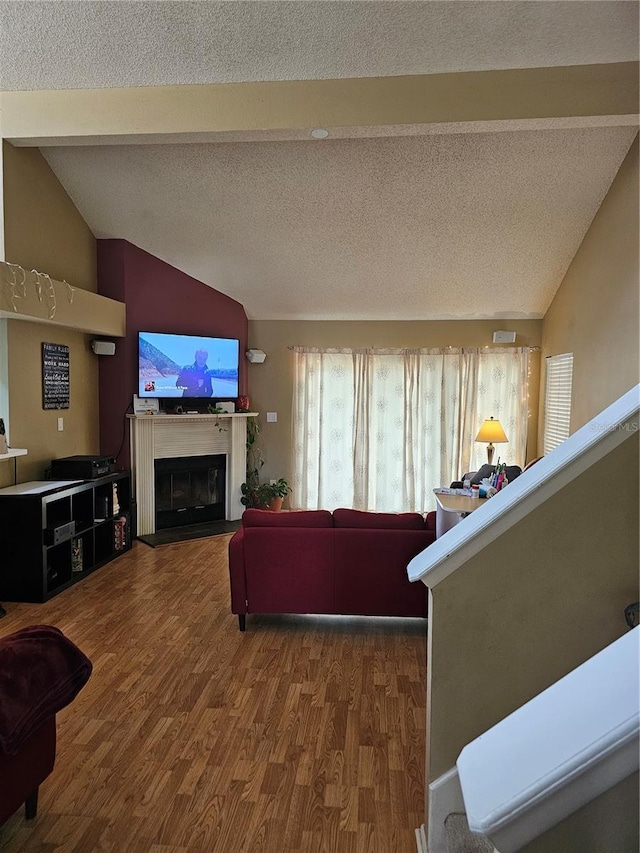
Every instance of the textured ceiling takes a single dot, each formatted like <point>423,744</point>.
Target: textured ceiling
<point>432,227</point>
<point>409,226</point>
<point>48,45</point>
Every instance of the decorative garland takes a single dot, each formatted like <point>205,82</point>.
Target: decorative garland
<point>18,289</point>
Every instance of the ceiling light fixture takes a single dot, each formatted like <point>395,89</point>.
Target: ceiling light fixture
<point>319,133</point>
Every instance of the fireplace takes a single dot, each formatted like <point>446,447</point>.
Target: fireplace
<point>189,490</point>
<point>167,438</point>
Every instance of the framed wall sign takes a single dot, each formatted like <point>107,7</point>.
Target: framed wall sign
<point>55,376</point>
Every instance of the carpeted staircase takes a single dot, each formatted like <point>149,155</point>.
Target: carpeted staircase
<point>460,839</point>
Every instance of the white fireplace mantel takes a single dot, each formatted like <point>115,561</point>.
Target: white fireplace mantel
<point>169,436</point>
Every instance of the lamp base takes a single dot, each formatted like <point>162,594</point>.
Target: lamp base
<point>490,449</point>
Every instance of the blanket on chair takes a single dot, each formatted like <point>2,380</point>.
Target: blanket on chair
<point>41,671</point>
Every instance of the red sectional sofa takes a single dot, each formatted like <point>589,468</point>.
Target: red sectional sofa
<point>347,562</point>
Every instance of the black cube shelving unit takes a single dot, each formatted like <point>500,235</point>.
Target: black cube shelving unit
<point>54,534</point>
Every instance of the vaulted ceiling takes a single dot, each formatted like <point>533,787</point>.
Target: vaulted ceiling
<point>456,195</point>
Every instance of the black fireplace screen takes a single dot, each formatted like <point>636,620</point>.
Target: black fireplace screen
<point>189,490</point>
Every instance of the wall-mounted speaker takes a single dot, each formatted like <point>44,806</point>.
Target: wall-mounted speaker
<point>103,347</point>
<point>504,337</point>
<point>256,356</point>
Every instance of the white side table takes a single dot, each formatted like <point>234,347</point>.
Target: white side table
<point>13,453</point>
<point>451,508</point>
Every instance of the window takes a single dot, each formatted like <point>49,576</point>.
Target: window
<point>557,400</point>
<point>380,429</point>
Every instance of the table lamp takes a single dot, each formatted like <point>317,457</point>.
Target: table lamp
<point>491,430</point>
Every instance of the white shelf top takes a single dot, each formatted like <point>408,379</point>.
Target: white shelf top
<point>38,487</point>
<point>13,452</point>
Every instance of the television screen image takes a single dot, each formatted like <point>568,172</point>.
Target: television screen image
<point>187,366</point>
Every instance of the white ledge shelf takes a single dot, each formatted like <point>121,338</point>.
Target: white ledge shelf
<point>13,453</point>
<point>46,300</point>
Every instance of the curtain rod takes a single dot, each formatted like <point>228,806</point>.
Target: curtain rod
<point>530,349</point>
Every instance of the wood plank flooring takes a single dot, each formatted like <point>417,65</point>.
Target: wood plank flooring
<point>302,734</point>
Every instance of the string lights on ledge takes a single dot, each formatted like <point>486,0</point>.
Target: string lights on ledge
<point>16,287</point>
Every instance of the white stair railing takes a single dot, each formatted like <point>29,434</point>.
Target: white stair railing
<point>571,743</point>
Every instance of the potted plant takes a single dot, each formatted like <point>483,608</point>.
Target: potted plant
<point>255,496</point>
<point>252,494</point>
<point>277,493</point>
<point>265,495</point>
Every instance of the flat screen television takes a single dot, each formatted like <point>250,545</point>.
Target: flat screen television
<point>187,366</point>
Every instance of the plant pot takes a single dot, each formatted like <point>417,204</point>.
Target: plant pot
<point>275,504</point>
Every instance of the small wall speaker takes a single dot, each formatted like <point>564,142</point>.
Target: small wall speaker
<point>103,347</point>
<point>504,337</point>
<point>256,356</point>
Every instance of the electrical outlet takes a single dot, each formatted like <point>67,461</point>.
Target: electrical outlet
<point>60,424</point>
<point>272,482</point>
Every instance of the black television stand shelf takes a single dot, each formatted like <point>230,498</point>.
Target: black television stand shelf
<point>55,533</point>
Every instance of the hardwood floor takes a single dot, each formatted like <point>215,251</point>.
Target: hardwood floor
<point>302,734</point>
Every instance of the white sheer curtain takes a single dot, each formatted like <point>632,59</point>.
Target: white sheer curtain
<point>380,429</point>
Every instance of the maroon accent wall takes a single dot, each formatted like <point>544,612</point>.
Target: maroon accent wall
<point>158,298</point>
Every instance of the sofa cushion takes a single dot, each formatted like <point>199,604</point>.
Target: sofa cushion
<point>289,570</point>
<point>533,462</point>
<point>378,520</point>
<point>306,518</point>
<point>371,571</point>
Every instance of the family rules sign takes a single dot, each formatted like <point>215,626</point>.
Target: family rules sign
<point>55,376</point>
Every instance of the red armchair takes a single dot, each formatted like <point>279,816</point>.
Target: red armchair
<point>41,671</point>
<point>22,774</point>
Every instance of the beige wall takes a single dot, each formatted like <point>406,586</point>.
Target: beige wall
<point>43,230</point>
<point>542,599</point>
<point>31,426</point>
<point>271,383</point>
<point>595,312</point>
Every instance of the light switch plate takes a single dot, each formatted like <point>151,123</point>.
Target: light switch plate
<point>272,417</point>
<point>60,424</point>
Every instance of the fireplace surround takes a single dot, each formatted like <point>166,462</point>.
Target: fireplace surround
<point>170,437</point>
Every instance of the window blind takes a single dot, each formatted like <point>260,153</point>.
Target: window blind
<point>557,400</point>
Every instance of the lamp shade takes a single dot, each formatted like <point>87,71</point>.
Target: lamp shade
<point>491,430</point>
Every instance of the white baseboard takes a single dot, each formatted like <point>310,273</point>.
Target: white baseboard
<point>445,798</point>
<point>421,840</point>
